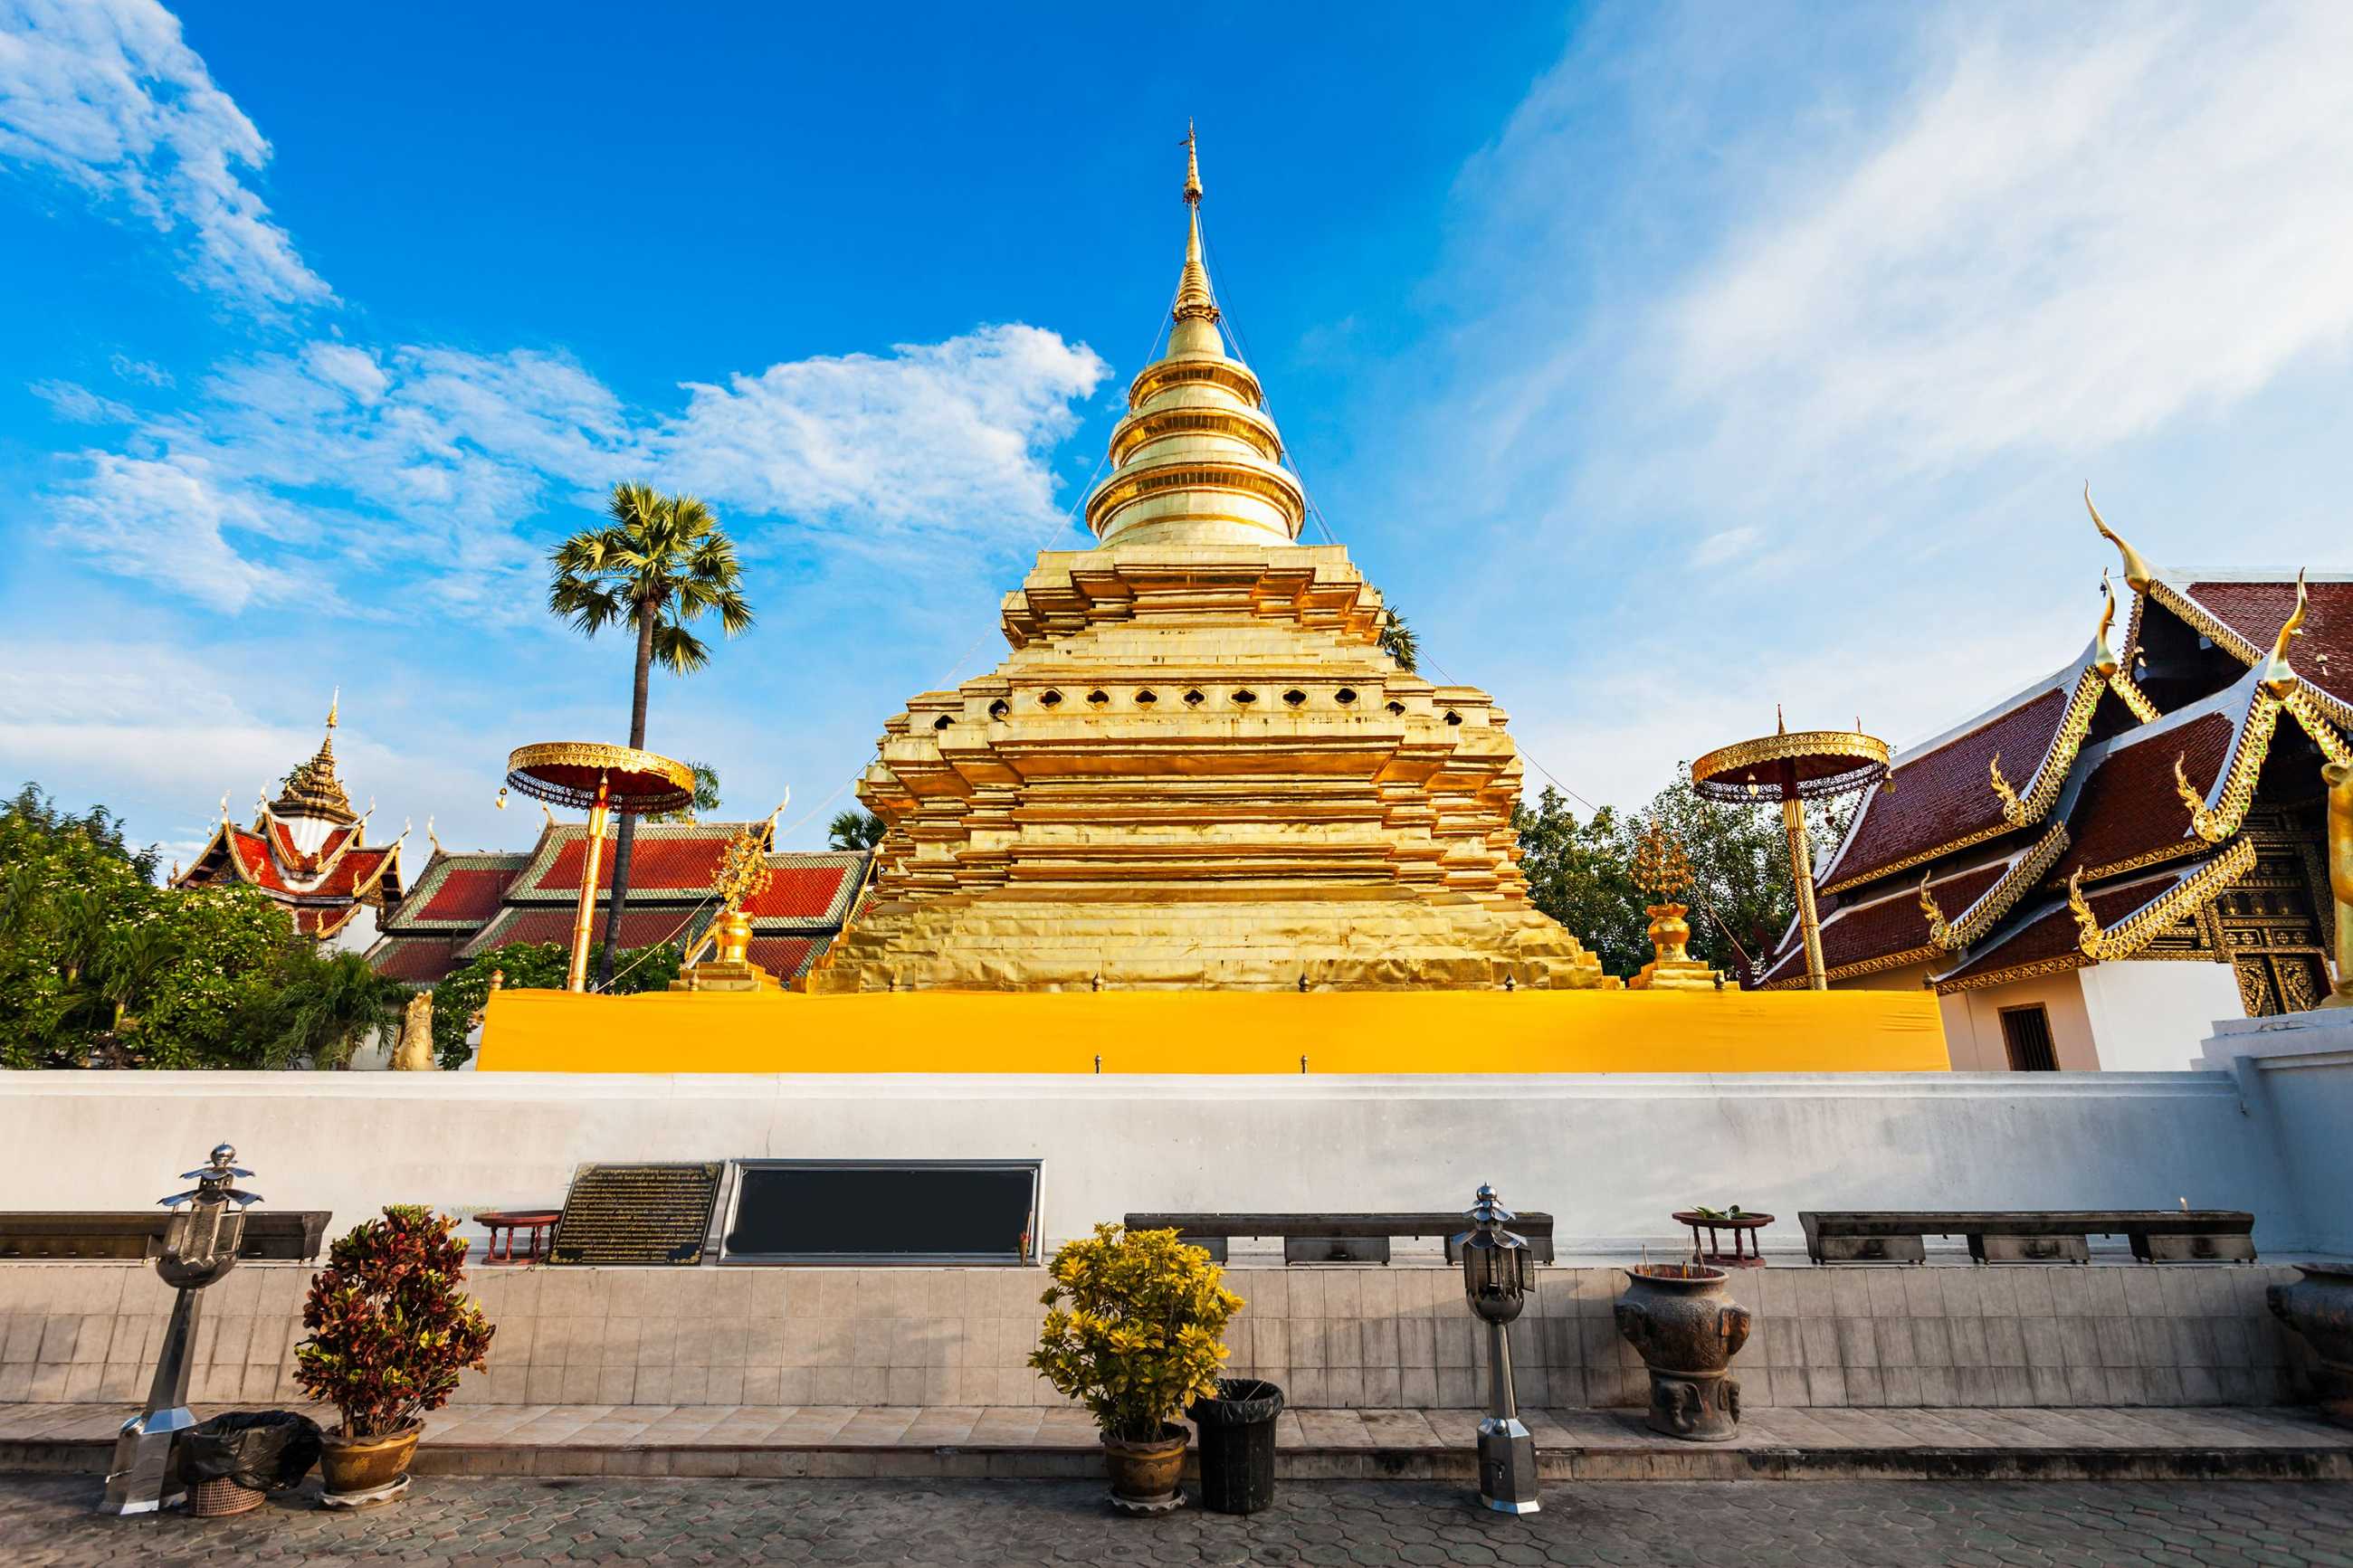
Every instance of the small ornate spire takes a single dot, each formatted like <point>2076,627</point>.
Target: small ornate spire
<point>334,703</point>
<point>2137,571</point>
<point>1194,302</point>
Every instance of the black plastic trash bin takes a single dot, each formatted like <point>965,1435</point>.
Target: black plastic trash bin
<point>1238,1445</point>
<point>266,1450</point>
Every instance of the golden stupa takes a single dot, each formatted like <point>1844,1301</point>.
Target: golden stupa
<point>1198,768</point>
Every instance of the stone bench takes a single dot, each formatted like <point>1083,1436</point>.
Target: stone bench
<point>275,1235</point>
<point>2029,1235</point>
<point>1334,1238</point>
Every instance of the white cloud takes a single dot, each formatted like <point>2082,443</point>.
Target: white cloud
<point>2078,225</point>
<point>1731,544</point>
<point>169,523</point>
<point>336,459</point>
<point>931,438</point>
<point>146,372</point>
<point>106,94</point>
<point>72,401</point>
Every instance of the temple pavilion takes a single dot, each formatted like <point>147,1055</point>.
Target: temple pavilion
<point>305,852</point>
<point>1197,768</point>
<point>2093,871</point>
<point>465,904</point>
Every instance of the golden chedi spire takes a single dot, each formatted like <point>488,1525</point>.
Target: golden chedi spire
<point>1197,461</point>
<point>313,789</point>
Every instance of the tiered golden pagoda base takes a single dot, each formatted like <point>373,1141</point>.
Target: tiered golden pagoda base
<point>719,975</point>
<point>1222,1032</point>
<point>1673,968</point>
<point>1376,938</point>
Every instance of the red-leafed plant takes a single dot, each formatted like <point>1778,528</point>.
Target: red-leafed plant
<point>389,1331</point>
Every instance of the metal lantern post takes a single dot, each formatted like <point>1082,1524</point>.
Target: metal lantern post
<point>604,779</point>
<point>200,1247</point>
<point>1809,764</point>
<point>1498,1272</point>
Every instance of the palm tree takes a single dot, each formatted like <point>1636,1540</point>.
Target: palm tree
<point>330,1003</point>
<point>1398,642</point>
<point>854,830</point>
<point>660,562</point>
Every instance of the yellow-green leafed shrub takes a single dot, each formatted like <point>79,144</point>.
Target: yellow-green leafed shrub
<point>1134,1328</point>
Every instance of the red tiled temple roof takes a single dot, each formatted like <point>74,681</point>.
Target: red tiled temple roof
<point>682,856</point>
<point>786,957</point>
<point>2126,808</point>
<point>1861,934</point>
<point>1943,796</point>
<point>465,895</point>
<point>2255,610</point>
<point>805,891</point>
<point>418,960</point>
<point>2049,934</point>
<point>639,928</point>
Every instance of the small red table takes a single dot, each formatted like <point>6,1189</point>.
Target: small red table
<point>1740,1225</point>
<point>502,1225</point>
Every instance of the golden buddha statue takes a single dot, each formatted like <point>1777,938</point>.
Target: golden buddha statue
<point>1198,768</point>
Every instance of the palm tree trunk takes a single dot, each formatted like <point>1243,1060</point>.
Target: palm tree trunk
<point>629,834</point>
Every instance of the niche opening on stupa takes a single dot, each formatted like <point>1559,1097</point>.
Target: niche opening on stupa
<point>1098,699</point>
<point>1051,700</point>
<point>1293,698</point>
<point>1345,696</point>
<point>1146,699</point>
<point>1245,697</point>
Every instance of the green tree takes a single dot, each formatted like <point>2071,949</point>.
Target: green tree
<point>1580,873</point>
<point>854,830</point>
<point>660,563</point>
<point>705,801</point>
<point>459,996</point>
<point>327,1006</point>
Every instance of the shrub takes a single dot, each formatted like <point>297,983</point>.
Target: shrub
<point>389,1332</point>
<point>1134,1328</point>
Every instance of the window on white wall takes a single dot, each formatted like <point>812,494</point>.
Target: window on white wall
<point>2026,1035</point>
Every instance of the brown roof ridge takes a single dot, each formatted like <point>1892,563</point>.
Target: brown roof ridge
<point>1970,972</point>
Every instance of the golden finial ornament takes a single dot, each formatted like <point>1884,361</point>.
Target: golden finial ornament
<point>2137,571</point>
<point>1194,300</point>
<point>2279,678</point>
<point>2088,935</point>
<point>2013,810</point>
<point>744,875</point>
<point>430,837</point>
<point>1940,933</point>
<point>335,705</point>
<point>1662,870</point>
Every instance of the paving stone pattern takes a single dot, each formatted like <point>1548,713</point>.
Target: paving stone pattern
<point>46,1520</point>
<point>1396,1338</point>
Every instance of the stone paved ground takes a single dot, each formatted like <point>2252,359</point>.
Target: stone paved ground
<point>45,1519</point>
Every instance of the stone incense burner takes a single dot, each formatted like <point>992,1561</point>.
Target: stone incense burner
<point>1683,1322</point>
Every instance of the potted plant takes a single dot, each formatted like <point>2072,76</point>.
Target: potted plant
<point>389,1333</point>
<point>1134,1331</point>
<point>1687,1328</point>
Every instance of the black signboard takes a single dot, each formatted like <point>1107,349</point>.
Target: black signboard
<point>637,1214</point>
<point>883,1212</point>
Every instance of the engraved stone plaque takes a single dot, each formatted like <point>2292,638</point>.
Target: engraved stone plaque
<point>637,1214</point>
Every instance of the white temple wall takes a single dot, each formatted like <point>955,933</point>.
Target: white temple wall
<point>2296,1075</point>
<point>2153,1015</point>
<point>1973,1023</point>
<point>1610,1155</point>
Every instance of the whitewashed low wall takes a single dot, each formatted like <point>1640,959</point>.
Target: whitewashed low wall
<point>1610,1155</point>
<point>2296,1074</point>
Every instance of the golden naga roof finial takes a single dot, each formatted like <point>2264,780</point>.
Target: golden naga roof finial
<point>1194,302</point>
<point>2137,571</point>
<point>2279,678</point>
<point>2208,824</point>
<point>2088,935</point>
<point>1780,725</point>
<point>430,837</point>
<point>1940,933</point>
<point>769,839</point>
<point>2013,810</point>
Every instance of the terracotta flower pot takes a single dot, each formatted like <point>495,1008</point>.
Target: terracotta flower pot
<point>2320,1307</point>
<point>367,1464</point>
<point>1687,1328</point>
<point>1144,1475</point>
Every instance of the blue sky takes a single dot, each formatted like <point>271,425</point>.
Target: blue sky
<point>1663,364</point>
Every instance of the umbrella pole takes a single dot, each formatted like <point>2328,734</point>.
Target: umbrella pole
<point>1801,871</point>
<point>586,917</point>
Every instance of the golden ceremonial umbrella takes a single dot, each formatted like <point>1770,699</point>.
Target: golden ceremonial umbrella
<point>603,779</point>
<point>1793,768</point>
